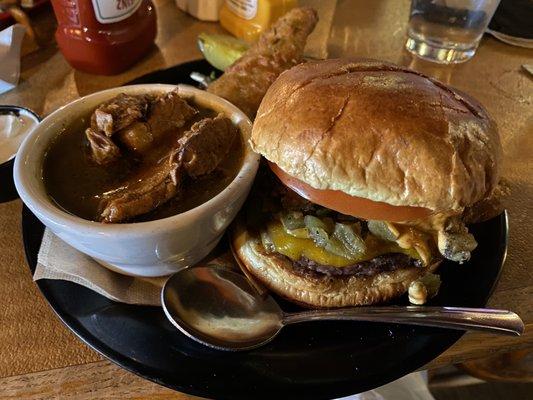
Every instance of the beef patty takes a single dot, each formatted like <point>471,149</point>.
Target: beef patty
<point>374,266</point>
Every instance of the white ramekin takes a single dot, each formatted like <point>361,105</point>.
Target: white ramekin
<point>150,249</point>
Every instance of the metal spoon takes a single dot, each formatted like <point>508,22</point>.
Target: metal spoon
<point>219,308</point>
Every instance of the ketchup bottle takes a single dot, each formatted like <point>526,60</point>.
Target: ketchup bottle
<point>104,36</point>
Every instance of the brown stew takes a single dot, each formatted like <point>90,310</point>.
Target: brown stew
<point>77,184</point>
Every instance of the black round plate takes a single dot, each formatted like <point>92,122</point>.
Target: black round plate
<point>307,361</point>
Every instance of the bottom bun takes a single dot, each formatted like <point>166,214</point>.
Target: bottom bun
<point>314,289</point>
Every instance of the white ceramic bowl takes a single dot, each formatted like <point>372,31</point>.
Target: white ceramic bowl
<point>154,248</point>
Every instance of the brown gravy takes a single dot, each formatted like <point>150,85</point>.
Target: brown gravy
<point>75,182</point>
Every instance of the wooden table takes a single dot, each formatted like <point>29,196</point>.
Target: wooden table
<point>40,358</point>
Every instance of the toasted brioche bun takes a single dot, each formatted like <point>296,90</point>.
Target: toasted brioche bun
<point>317,290</point>
<point>382,132</point>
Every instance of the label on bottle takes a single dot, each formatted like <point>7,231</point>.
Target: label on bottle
<point>109,11</point>
<point>246,9</point>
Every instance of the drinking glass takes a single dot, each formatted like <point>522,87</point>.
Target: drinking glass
<point>448,31</point>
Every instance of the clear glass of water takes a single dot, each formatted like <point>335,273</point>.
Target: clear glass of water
<point>448,31</point>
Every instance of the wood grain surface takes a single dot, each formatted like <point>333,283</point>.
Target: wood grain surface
<point>96,380</point>
<point>41,359</point>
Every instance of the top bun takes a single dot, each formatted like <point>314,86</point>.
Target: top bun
<point>379,131</point>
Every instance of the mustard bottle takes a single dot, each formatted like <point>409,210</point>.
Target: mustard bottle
<point>246,19</point>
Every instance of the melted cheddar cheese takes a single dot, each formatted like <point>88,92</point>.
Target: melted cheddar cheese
<point>297,247</point>
<point>411,238</point>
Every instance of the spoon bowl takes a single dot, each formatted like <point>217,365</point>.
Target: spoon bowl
<point>221,309</point>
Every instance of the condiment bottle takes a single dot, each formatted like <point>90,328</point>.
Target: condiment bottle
<point>246,19</point>
<point>204,10</point>
<point>104,36</point>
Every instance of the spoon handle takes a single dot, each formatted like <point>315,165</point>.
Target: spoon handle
<point>494,321</point>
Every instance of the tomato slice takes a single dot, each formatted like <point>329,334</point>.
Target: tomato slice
<point>350,205</point>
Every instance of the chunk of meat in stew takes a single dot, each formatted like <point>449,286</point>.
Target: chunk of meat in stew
<point>198,152</point>
<point>103,149</point>
<point>203,147</point>
<point>142,192</point>
<point>167,114</point>
<point>119,112</point>
<point>136,123</point>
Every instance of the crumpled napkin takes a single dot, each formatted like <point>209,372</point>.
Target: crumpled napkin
<point>58,260</point>
<point>10,44</point>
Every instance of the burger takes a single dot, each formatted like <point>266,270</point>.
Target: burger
<point>371,171</point>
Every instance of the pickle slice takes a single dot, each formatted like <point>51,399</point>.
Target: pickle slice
<point>292,220</point>
<point>322,231</point>
<point>221,50</point>
<point>350,239</point>
<point>382,230</point>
